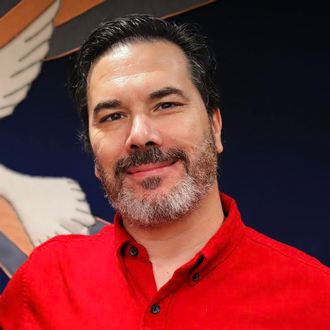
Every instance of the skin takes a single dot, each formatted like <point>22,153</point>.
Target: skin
<point>125,114</point>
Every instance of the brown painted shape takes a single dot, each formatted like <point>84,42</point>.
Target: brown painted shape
<point>20,17</point>
<point>26,11</point>
<point>101,220</point>
<point>5,271</point>
<point>72,8</point>
<point>188,9</point>
<point>12,227</point>
<point>207,2</point>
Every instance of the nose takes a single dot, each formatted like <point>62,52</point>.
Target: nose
<point>143,134</point>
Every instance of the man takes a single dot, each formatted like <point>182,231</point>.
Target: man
<point>178,255</point>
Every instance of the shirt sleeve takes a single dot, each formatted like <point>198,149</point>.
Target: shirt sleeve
<point>13,302</point>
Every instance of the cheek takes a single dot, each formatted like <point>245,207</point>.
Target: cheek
<point>106,148</point>
<point>185,132</point>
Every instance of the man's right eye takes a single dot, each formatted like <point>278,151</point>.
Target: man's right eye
<point>113,117</point>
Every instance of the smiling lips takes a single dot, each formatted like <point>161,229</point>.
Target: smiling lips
<point>145,170</point>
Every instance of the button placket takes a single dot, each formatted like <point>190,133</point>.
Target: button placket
<point>155,309</point>
<point>133,251</point>
<point>195,277</point>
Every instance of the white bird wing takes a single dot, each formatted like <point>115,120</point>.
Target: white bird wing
<point>21,60</point>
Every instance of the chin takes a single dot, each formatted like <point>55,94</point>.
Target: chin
<point>158,185</point>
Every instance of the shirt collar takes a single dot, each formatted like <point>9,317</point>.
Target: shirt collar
<point>218,248</point>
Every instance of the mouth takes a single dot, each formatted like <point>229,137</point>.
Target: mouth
<point>150,169</point>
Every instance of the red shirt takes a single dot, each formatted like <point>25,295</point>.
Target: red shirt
<point>239,280</point>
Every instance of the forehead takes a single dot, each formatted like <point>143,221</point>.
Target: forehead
<point>145,63</point>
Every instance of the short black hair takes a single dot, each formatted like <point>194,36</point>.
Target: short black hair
<point>144,28</point>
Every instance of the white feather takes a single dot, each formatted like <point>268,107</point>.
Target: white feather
<point>21,60</point>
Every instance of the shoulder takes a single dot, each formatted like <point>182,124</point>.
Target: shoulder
<point>72,246</point>
<point>71,241</point>
<point>53,267</point>
<point>285,257</point>
<point>64,255</point>
<point>66,252</point>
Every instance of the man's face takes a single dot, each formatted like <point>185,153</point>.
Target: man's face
<point>155,148</point>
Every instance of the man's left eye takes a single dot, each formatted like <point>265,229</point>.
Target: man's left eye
<point>167,105</point>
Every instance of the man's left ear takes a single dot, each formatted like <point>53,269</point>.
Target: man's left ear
<point>217,127</point>
<point>96,172</point>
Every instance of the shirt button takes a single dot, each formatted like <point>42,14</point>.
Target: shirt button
<point>195,277</point>
<point>133,251</point>
<point>155,309</point>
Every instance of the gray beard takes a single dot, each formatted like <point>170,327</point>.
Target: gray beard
<point>153,210</point>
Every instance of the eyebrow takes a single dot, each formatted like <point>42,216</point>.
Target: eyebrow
<point>165,92</point>
<point>109,104</point>
<point>112,104</point>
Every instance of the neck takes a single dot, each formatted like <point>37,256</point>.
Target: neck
<point>172,246</point>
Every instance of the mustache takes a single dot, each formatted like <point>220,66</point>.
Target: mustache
<point>149,156</point>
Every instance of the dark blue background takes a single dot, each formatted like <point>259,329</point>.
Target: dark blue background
<point>273,75</point>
